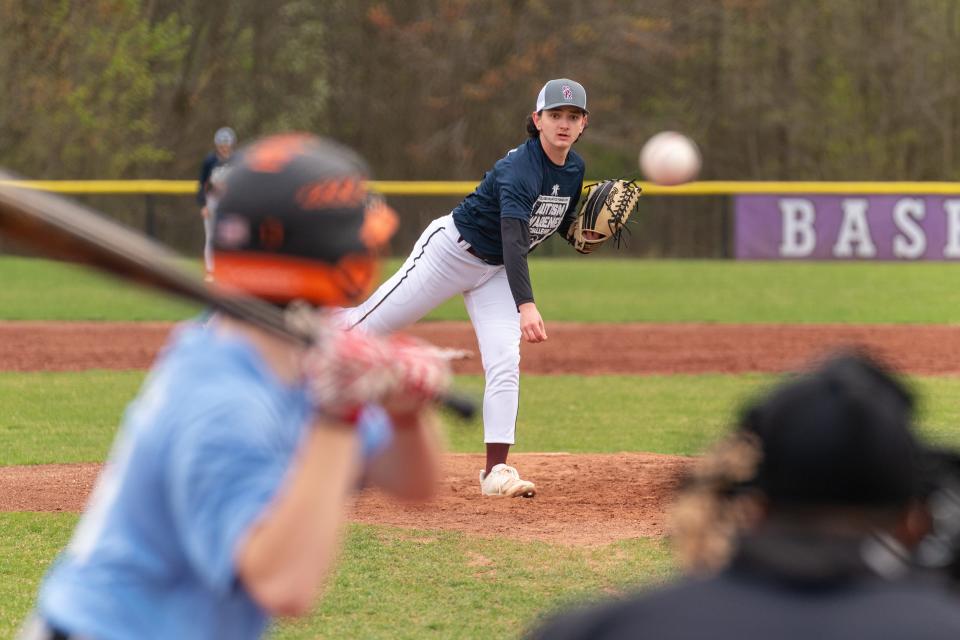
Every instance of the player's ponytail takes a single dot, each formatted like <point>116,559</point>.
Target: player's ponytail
<point>532,130</point>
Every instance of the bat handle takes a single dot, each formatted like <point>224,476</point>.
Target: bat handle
<point>464,406</point>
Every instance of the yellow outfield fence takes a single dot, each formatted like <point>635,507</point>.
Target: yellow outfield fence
<point>453,188</point>
<point>704,225</point>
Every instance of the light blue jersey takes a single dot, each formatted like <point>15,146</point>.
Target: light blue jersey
<point>202,451</point>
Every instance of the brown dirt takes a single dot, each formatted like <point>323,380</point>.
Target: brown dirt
<point>47,487</point>
<point>583,499</point>
<point>572,348</point>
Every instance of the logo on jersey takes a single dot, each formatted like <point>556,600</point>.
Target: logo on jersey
<point>546,216</point>
<point>567,92</point>
<point>556,190</point>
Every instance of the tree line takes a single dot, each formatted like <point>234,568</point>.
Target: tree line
<point>439,89</point>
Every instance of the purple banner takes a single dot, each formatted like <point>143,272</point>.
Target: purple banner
<point>855,227</point>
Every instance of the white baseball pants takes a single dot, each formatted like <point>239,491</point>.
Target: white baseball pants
<point>208,233</point>
<point>438,268</point>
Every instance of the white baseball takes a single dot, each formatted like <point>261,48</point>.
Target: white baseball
<point>670,158</point>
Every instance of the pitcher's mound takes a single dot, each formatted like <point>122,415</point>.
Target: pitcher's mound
<point>581,499</point>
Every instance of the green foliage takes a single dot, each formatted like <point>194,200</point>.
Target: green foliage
<point>129,88</point>
<point>822,89</point>
<point>87,85</point>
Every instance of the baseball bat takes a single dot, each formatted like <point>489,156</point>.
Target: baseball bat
<point>60,228</point>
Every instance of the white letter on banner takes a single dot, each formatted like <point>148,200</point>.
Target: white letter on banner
<point>913,241</point>
<point>952,250</point>
<point>854,228</point>
<point>797,216</point>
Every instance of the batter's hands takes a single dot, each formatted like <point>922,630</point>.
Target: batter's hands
<point>205,212</point>
<point>422,373</point>
<point>346,370</point>
<point>531,323</point>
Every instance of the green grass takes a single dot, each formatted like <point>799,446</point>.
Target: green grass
<point>753,292</point>
<point>62,417</point>
<point>28,542</point>
<point>393,583</point>
<point>660,414</point>
<point>72,417</point>
<point>579,289</point>
<point>35,289</point>
<point>412,584</point>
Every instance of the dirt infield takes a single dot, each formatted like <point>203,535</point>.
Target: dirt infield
<point>584,499</point>
<point>572,348</point>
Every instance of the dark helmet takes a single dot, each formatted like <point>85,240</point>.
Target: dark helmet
<point>841,434</point>
<point>295,221</point>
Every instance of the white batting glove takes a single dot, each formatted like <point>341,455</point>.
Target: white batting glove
<point>345,370</point>
<point>422,373</point>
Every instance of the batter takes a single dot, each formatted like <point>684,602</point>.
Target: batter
<point>480,250</point>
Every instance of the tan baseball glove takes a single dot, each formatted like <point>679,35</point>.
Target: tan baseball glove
<point>604,211</point>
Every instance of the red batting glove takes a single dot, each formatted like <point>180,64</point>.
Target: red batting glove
<point>421,374</point>
<point>345,370</point>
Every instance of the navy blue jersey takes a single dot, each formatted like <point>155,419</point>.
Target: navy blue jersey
<point>790,586</point>
<point>729,607</point>
<point>211,163</point>
<point>526,185</point>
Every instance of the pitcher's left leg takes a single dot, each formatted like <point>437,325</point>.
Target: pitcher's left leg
<point>497,325</point>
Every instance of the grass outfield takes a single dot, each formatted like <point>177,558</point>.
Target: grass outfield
<point>579,289</point>
<point>35,289</point>
<point>393,583</point>
<point>72,417</point>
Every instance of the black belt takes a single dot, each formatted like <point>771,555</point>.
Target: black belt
<point>36,628</point>
<point>478,255</point>
<point>54,634</point>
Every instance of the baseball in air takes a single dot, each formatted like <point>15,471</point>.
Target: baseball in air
<point>670,158</point>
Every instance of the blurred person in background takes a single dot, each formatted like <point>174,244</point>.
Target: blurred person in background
<point>227,487</point>
<point>211,172</point>
<point>798,525</point>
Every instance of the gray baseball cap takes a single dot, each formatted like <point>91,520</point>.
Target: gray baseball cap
<point>225,136</point>
<point>562,93</point>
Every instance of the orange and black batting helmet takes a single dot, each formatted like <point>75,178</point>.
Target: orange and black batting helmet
<point>295,221</point>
